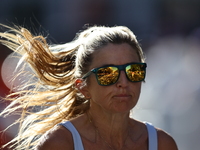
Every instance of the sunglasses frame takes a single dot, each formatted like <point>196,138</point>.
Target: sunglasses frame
<point>119,67</point>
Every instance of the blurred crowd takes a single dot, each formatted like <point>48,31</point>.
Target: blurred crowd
<point>169,32</point>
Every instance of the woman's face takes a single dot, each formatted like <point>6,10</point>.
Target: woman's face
<point>121,96</point>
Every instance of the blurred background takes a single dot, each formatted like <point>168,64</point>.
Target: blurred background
<point>169,32</point>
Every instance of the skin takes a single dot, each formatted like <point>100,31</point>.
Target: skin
<point>109,111</point>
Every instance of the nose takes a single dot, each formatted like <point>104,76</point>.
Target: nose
<point>122,81</point>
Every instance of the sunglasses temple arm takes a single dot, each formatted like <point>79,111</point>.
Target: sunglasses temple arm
<point>87,74</point>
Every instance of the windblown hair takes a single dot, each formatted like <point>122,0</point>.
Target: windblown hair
<point>52,98</point>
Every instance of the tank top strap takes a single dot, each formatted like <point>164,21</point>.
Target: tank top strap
<point>78,145</point>
<point>152,136</point>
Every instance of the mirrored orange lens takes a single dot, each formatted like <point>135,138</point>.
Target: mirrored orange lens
<point>107,75</point>
<point>135,72</point>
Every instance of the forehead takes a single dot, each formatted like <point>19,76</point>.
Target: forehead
<point>115,54</point>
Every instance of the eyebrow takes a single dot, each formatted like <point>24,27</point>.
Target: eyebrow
<point>107,65</point>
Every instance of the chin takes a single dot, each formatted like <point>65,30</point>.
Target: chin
<point>123,108</point>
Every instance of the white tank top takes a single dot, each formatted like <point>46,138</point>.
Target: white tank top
<point>78,145</point>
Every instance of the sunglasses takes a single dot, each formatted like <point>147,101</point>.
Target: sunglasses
<point>108,75</point>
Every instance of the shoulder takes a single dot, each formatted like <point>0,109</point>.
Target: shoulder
<point>165,141</point>
<point>57,138</point>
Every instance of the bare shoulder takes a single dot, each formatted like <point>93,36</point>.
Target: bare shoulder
<point>165,141</point>
<point>57,138</point>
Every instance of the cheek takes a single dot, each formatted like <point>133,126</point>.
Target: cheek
<point>93,87</point>
<point>98,93</point>
<point>137,88</point>
<point>137,91</point>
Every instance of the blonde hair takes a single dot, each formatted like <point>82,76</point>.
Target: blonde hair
<point>52,98</point>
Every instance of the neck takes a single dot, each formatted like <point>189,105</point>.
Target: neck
<point>112,128</point>
<point>114,120</point>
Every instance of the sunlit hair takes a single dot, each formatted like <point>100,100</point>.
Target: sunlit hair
<point>50,97</point>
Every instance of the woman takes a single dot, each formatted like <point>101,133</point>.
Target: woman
<point>85,90</point>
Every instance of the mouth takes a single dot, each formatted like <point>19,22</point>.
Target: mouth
<point>122,96</point>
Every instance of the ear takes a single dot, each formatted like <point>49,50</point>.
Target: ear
<point>82,87</point>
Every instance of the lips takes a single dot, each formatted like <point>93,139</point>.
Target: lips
<point>122,95</point>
